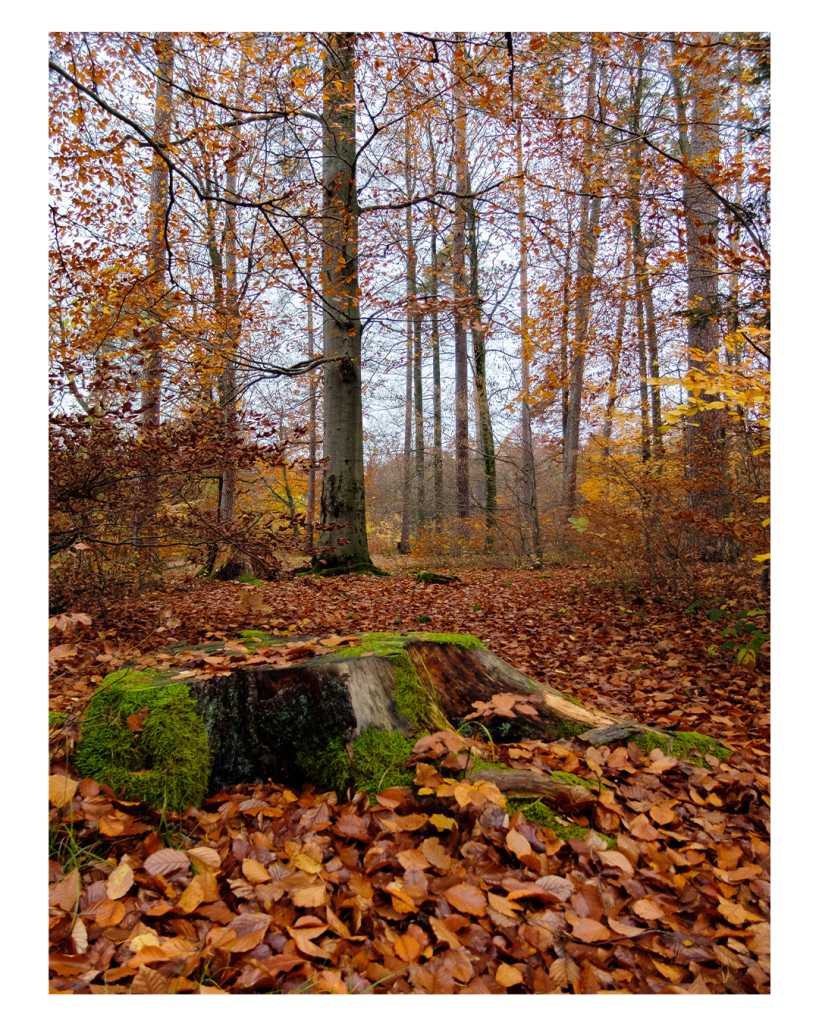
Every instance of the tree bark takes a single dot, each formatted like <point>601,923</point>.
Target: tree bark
<point>705,434</point>
<point>531,523</point>
<point>483,425</point>
<point>586,255</point>
<point>437,445</point>
<point>460,290</point>
<point>156,287</point>
<point>617,348</point>
<point>237,562</point>
<point>415,320</point>
<point>343,508</point>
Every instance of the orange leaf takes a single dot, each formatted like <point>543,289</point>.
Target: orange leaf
<point>407,948</point>
<point>508,976</point>
<point>467,898</point>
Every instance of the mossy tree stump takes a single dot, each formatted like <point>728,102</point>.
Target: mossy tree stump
<point>345,718</point>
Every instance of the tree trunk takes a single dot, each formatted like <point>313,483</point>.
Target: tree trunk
<point>483,419</point>
<point>705,435</point>
<point>310,520</point>
<point>406,497</point>
<point>616,352</point>
<point>437,446</point>
<point>343,509</point>
<point>531,519</point>
<point>460,292</point>
<point>299,718</point>
<point>151,390</point>
<point>415,321</point>
<point>237,562</point>
<point>586,255</point>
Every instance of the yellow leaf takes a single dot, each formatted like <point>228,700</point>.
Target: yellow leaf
<point>508,976</point>
<point>255,872</point>
<point>193,895</point>
<point>305,863</point>
<point>61,789</point>
<point>441,822</point>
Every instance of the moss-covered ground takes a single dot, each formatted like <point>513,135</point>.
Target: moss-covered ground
<point>681,744</point>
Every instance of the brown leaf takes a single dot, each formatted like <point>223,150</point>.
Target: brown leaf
<point>518,844</point>
<point>641,828</point>
<point>204,857</point>
<point>311,896</point>
<point>167,862</point>
<point>467,898</point>
<point>65,893</point>
<point>648,910</point>
<point>559,888</point>
<point>119,881</point>
<point>136,723</point>
<point>588,930</point>
<point>109,913</point>
<point>149,983</point>
<point>443,934</point>
<point>615,859</point>
<point>564,971</point>
<point>759,940</point>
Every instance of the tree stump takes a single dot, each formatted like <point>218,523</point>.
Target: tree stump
<point>339,712</point>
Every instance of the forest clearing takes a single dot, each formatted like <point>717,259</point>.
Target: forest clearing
<point>409,513</point>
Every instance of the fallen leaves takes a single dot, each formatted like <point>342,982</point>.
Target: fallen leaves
<point>437,890</point>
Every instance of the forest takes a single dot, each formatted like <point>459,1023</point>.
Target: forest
<point>406,353</point>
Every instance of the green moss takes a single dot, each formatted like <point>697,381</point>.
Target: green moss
<point>679,744</point>
<point>567,729</point>
<point>328,767</point>
<point>435,577</point>
<point>55,718</point>
<point>574,700</point>
<point>167,764</point>
<point>255,634</point>
<point>575,780</point>
<point>379,756</point>
<point>535,810</point>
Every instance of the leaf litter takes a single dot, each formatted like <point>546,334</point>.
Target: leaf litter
<point>442,889</point>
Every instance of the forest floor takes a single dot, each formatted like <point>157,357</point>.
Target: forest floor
<point>665,889</point>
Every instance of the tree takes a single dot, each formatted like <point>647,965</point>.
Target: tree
<point>343,513</point>
<point>147,482</point>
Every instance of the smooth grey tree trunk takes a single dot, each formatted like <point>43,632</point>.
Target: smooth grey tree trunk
<point>460,292</point>
<point>531,518</point>
<point>586,255</point>
<point>343,542</point>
